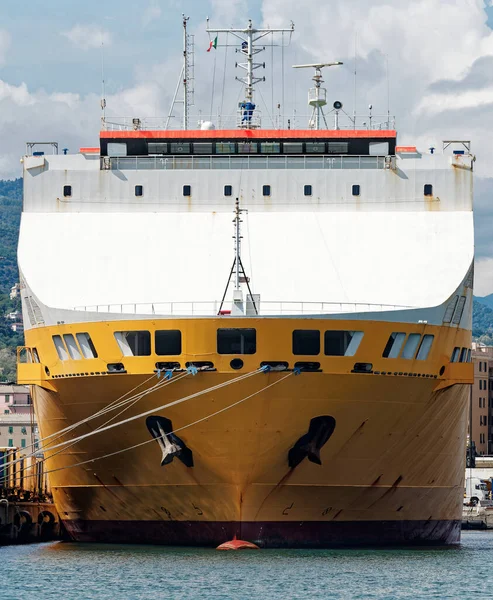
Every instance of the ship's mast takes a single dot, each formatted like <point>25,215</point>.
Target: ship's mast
<point>237,238</point>
<point>249,36</point>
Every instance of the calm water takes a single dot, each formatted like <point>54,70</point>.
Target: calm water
<point>75,571</point>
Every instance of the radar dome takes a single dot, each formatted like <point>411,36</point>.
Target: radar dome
<point>207,126</point>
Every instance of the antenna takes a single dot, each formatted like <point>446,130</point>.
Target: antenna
<point>249,36</point>
<point>317,96</point>
<point>354,101</point>
<point>103,93</point>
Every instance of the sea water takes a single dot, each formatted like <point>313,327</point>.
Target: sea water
<point>70,571</point>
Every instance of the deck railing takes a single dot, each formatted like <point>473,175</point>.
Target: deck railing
<point>170,163</point>
<point>267,308</point>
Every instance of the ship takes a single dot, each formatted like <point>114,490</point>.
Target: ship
<point>253,328</point>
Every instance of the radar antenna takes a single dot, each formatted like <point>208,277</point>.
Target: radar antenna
<point>317,96</point>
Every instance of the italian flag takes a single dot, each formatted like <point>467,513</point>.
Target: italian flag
<point>212,44</point>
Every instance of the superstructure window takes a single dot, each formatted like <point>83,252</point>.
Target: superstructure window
<point>411,345</point>
<point>356,190</point>
<point>157,148</point>
<point>425,347</point>
<point>247,147</point>
<point>315,147</point>
<point>228,190</point>
<point>307,190</point>
<point>60,347</point>
<point>428,189</point>
<point>187,190</point>
<point>394,344</point>
<point>455,355</point>
<point>87,347</point>
<point>306,342</point>
<point>139,190</point>
<point>236,341</point>
<point>270,147</point>
<point>180,148</point>
<point>67,191</point>
<point>342,343</point>
<point>225,147</point>
<point>463,355</point>
<point>168,342</point>
<point>338,147</point>
<point>449,311</point>
<point>292,148</point>
<point>202,148</point>
<point>266,190</point>
<point>72,347</point>
<point>134,343</point>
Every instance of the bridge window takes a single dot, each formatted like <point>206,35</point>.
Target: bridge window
<point>247,147</point>
<point>306,342</point>
<point>338,147</point>
<point>315,147</point>
<point>168,342</point>
<point>139,190</point>
<point>292,148</point>
<point>180,148</point>
<point>266,190</point>
<point>455,355</point>
<point>236,341</point>
<point>342,343</point>
<point>87,347</point>
<point>356,190</point>
<point>394,344</point>
<point>307,190</point>
<point>202,147</point>
<point>270,148</point>
<point>134,343</point>
<point>187,190</point>
<point>228,190</point>
<point>157,148</point>
<point>67,191</point>
<point>225,147</point>
<point>60,347</point>
<point>428,189</point>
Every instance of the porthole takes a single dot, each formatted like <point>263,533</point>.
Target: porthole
<point>236,364</point>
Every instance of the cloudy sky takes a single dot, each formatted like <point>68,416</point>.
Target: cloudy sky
<point>438,55</point>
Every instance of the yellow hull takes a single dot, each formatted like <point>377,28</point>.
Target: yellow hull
<point>391,470</point>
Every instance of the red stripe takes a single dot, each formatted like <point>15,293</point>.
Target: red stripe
<point>248,134</point>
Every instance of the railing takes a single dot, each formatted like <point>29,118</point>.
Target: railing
<point>233,121</point>
<point>172,163</point>
<point>265,308</point>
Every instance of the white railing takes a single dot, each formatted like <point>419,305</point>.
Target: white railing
<point>268,308</point>
<point>236,120</point>
<point>189,162</point>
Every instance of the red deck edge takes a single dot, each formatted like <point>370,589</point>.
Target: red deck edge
<point>405,149</point>
<point>89,150</point>
<point>249,134</point>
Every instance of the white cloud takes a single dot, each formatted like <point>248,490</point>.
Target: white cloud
<point>5,41</point>
<point>483,276</point>
<point>151,13</point>
<point>88,36</point>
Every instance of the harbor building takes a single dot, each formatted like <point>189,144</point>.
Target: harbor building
<point>481,409</point>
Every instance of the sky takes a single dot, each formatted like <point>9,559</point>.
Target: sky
<point>430,62</point>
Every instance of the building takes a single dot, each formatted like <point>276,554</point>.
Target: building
<point>15,399</point>
<point>18,427</point>
<point>15,291</point>
<point>481,409</point>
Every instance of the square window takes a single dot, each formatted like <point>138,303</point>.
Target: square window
<point>157,148</point>
<point>356,190</point>
<point>342,343</point>
<point>228,190</point>
<point>225,148</point>
<point>202,148</point>
<point>247,147</point>
<point>266,190</point>
<point>67,191</point>
<point>139,190</point>
<point>134,343</point>
<point>315,147</point>
<point>168,342</point>
<point>306,342</point>
<point>307,190</point>
<point>187,190</point>
<point>236,341</point>
<point>428,189</point>
<point>292,148</point>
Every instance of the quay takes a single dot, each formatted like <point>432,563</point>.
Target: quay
<point>27,522</point>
